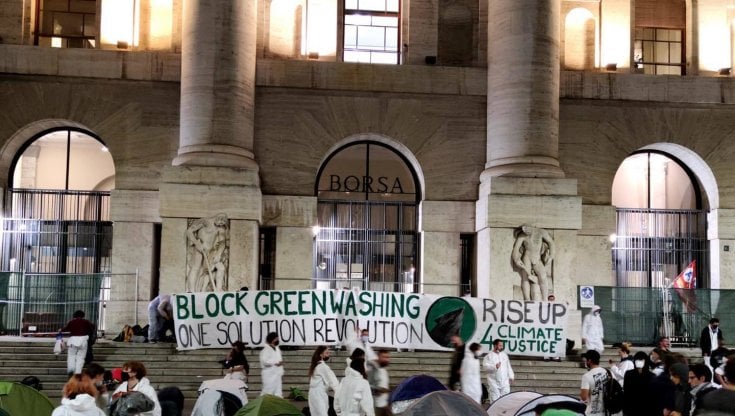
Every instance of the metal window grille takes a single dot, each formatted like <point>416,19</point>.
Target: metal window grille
<point>652,246</point>
<point>56,231</point>
<point>66,23</point>
<point>267,258</point>
<point>369,245</point>
<point>467,265</point>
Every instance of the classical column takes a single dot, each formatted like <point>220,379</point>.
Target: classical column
<point>523,89</point>
<point>522,183</point>
<point>215,172</point>
<point>218,83</point>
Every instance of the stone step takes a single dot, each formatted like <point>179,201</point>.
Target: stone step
<point>188,369</point>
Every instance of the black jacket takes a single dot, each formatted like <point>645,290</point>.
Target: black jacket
<point>704,340</point>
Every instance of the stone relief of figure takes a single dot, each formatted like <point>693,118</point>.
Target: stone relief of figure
<point>208,251</point>
<point>533,252</point>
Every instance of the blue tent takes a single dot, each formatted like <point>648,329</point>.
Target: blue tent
<point>416,387</point>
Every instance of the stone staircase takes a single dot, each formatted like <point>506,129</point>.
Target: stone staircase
<point>186,370</point>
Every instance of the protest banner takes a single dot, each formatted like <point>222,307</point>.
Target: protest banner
<point>394,320</point>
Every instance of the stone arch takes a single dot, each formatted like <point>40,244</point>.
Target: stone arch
<point>400,148</point>
<point>700,169</point>
<point>579,40</point>
<point>10,151</point>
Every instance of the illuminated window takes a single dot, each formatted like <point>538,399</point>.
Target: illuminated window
<point>372,31</point>
<point>368,220</point>
<point>659,51</point>
<point>66,24</point>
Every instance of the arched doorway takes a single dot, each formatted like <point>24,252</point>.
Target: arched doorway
<point>56,231</point>
<point>57,205</point>
<point>367,235</point>
<point>661,222</point>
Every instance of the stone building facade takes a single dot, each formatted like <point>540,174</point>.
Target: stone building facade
<point>503,113</point>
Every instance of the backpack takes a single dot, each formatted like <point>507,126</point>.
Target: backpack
<point>612,395</point>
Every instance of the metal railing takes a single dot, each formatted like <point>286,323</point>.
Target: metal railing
<point>458,289</point>
<point>642,315</point>
<point>39,304</point>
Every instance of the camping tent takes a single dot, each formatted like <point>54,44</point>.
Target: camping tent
<point>511,402</point>
<point>17,399</point>
<point>269,405</point>
<point>411,389</point>
<point>445,402</point>
<point>220,397</point>
<point>524,403</point>
<point>552,401</point>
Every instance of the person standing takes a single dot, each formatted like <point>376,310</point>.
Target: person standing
<point>456,366</point>
<point>321,379</point>
<point>723,400</point>
<point>679,373</point>
<point>380,383</point>
<point>471,379</point>
<point>592,389</point>
<point>700,379</point>
<point>592,330</point>
<point>361,340</point>
<point>271,366</point>
<point>625,364</point>
<point>711,337</point>
<point>637,394</point>
<point>354,397</point>
<point>160,311</point>
<point>499,371</point>
<point>80,330</point>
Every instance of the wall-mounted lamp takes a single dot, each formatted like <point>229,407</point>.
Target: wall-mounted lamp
<point>313,56</point>
<point>121,44</point>
<point>315,230</point>
<point>611,67</point>
<point>725,72</point>
<point>613,237</point>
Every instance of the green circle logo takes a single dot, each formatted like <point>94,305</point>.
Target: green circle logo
<point>450,316</point>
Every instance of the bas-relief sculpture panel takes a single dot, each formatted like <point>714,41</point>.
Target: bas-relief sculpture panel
<point>207,254</point>
<point>533,252</point>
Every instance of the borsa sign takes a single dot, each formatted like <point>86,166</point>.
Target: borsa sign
<point>394,320</point>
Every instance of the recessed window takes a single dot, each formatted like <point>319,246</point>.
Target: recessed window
<point>66,24</point>
<point>371,31</point>
<point>659,51</point>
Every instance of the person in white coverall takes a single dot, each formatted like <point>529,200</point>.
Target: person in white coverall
<point>79,398</point>
<point>321,379</point>
<point>354,397</point>
<point>470,377</point>
<point>271,367</point>
<point>592,331</point>
<point>499,372</point>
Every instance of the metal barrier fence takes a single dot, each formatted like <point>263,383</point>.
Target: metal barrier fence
<point>642,315</point>
<point>40,304</point>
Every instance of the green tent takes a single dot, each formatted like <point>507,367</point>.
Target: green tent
<point>17,399</point>
<point>269,405</point>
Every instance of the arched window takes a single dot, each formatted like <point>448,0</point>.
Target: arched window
<point>57,205</point>
<point>661,224</point>
<point>579,40</point>
<point>367,234</point>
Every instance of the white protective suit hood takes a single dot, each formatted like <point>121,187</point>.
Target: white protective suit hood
<point>82,405</point>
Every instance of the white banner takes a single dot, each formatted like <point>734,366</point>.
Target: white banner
<point>394,320</point>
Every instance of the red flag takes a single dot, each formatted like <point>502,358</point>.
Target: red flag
<point>684,282</point>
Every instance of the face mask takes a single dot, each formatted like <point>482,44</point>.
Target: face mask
<point>364,338</point>
<point>640,363</point>
<point>477,355</point>
<point>325,359</point>
<point>275,343</point>
<point>125,376</point>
